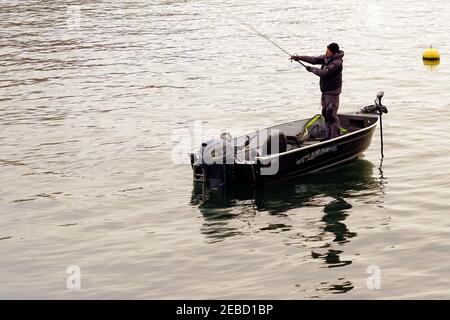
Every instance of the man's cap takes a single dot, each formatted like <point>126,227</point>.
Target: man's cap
<point>334,47</point>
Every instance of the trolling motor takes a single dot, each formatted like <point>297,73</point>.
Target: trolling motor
<point>377,108</point>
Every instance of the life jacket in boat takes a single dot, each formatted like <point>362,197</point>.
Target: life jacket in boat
<point>316,129</point>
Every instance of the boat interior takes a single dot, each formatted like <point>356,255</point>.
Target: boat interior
<point>293,135</point>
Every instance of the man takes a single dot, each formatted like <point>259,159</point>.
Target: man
<point>330,84</point>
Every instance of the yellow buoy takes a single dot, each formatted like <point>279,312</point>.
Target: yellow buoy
<point>431,63</point>
<point>431,54</point>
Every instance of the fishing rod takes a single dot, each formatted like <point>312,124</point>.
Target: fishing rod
<point>265,37</point>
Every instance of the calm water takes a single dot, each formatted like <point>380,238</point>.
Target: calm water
<point>90,96</point>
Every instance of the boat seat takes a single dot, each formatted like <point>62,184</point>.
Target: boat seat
<point>310,142</point>
<point>293,140</point>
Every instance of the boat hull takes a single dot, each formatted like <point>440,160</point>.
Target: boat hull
<point>314,158</point>
<point>296,162</point>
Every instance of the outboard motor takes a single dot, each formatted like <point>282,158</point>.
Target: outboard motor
<point>213,162</point>
<point>216,151</point>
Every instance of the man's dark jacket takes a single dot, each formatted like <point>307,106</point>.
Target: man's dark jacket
<point>330,73</point>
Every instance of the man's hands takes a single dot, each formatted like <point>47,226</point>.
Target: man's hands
<point>297,58</point>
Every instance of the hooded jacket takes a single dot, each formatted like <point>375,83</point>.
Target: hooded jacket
<point>330,73</point>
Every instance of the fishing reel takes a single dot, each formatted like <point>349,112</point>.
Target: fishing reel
<point>377,107</point>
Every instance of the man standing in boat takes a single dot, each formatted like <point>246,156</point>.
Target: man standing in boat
<point>330,84</point>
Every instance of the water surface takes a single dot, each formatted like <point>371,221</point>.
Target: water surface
<point>90,96</point>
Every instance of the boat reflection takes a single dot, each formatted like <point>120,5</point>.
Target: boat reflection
<point>231,211</point>
<point>356,179</point>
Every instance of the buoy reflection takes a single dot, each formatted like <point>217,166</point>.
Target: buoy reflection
<point>431,64</point>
